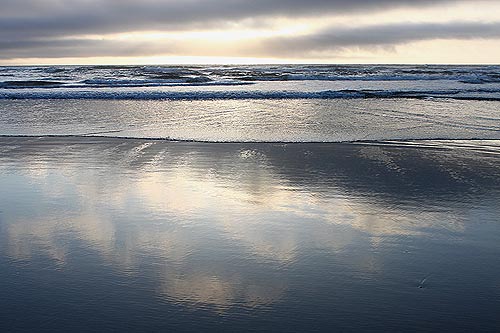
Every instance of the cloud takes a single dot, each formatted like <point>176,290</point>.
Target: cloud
<point>328,41</point>
<point>49,18</point>
<point>389,35</point>
<point>58,28</point>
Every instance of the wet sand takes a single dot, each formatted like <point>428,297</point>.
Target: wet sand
<point>100,233</point>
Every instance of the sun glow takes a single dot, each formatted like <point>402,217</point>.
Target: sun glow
<point>155,60</point>
<point>212,35</point>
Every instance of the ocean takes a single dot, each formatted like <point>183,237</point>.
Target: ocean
<point>248,198</point>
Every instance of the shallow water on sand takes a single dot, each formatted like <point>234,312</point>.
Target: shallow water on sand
<point>126,234</point>
<point>281,120</point>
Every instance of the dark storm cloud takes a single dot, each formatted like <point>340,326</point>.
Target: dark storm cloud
<point>329,41</point>
<point>45,18</point>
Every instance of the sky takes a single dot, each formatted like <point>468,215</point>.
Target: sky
<point>249,31</point>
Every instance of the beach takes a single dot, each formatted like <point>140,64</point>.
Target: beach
<point>249,198</point>
<point>249,166</point>
<point>142,234</point>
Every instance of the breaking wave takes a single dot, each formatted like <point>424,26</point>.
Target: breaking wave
<point>470,94</point>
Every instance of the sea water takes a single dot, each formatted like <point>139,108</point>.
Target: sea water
<point>249,198</point>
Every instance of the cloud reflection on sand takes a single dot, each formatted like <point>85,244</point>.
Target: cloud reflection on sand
<point>200,213</point>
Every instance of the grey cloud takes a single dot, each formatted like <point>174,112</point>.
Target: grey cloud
<point>83,48</point>
<point>328,41</point>
<point>49,18</point>
<point>335,39</point>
